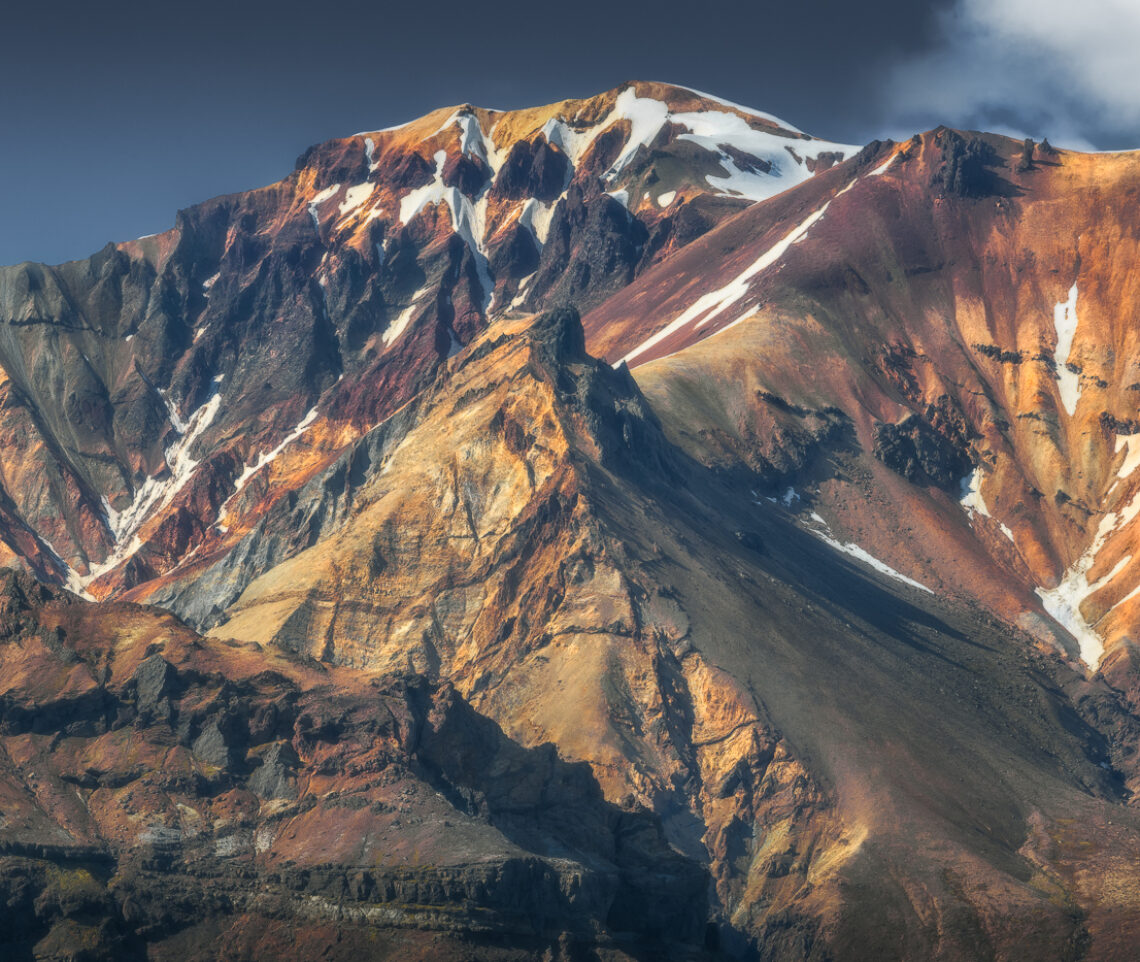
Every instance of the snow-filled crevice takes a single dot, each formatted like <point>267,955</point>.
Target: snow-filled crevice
<point>1064,601</point>
<point>1065,322</point>
<point>468,220</point>
<point>156,493</point>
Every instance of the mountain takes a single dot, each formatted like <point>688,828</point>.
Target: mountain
<point>630,528</point>
<point>150,389</point>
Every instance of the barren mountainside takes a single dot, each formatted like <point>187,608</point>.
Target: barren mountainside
<point>631,528</point>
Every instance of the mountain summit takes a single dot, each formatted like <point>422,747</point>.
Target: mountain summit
<point>627,528</point>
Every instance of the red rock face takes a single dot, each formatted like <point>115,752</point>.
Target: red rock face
<point>784,645</point>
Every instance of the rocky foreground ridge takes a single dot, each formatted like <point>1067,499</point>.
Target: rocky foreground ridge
<point>413,624</point>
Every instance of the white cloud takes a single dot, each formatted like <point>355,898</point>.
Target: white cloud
<point>1070,71</point>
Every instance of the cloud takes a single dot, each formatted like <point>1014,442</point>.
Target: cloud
<point>1066,70</point>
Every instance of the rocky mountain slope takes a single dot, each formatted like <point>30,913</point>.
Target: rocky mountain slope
<point>804,633</point>
<point>149,391</point>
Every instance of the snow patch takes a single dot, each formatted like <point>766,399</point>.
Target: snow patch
<point>396,328</point>
<point>522,289</point>
<point>780,161</point>
<point>971,498</point>
<point>882,168</point>
<point>665,199</point>
<point>1065,321</point>
<point>646,118</point>
<point>355,196</point>
<point>472,141</point>
<point>1132,458</point>
<point>72,580</point>
<point>573,143</point>
<point>536,217</point>
<point>751,111</point>
<point>823,532</point>
<point>776,169</point>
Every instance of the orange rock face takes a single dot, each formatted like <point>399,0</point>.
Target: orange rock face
<point>806,633</point>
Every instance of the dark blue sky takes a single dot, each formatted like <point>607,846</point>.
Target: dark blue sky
<point>116,114</point>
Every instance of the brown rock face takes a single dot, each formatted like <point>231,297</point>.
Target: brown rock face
<point>166,797</point>
<point>460,642</point>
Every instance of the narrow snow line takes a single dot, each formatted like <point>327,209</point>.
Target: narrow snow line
<point>715,303</point>
<point>972,501</point>
<point>397,327</point>
<point>751,111</point>
<point>882,168</point>
<point>852,549</point>
<point>266,458</point>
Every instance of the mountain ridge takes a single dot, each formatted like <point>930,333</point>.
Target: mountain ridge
<point>733,513</point>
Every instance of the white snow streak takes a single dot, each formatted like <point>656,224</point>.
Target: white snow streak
<point>665,199</point>
<point>751,111</point>
<point>266,458</point>
<point>1065,321</point>
<point>716,302</point>
<point>1064,601</point>
<point>882,168</point>
<point>396,328</point>
<point>852,549</point>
